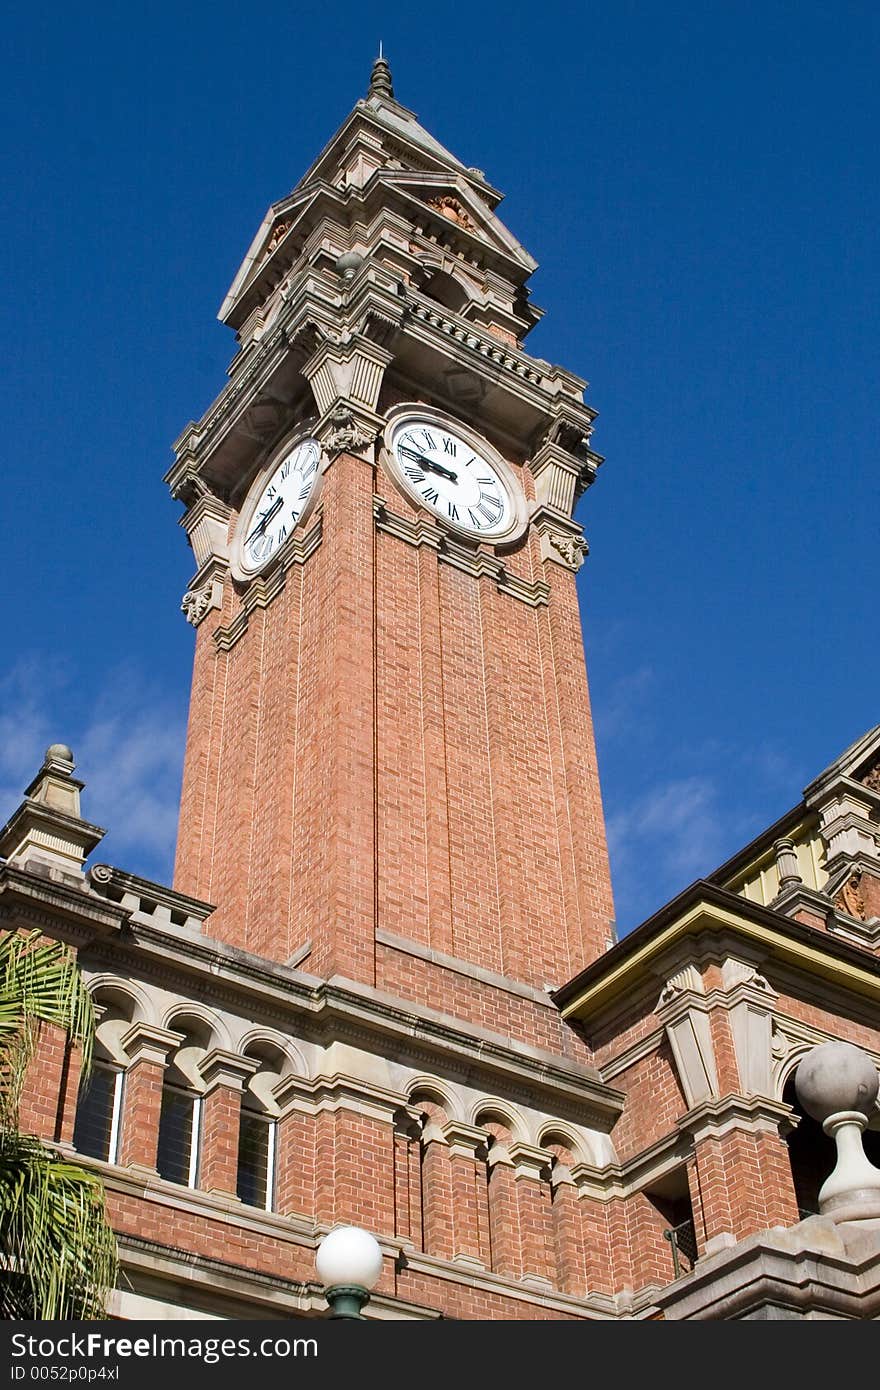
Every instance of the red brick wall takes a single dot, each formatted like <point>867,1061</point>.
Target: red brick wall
<point>381,683</point>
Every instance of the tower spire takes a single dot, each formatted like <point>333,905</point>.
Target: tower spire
<point>380,77</point>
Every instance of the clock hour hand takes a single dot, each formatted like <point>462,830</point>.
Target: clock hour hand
<point>265,519</point>
<point>430,464</point>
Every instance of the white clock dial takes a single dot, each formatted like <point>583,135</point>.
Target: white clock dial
<point>278,504</point>
<point>453,477</point>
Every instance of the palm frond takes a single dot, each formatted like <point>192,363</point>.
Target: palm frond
<point>57,1250</point>
<point>39,983</point>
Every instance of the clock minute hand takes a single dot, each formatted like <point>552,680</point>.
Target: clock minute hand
<point>264,522</point>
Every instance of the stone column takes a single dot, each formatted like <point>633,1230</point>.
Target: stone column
<point>148,1049</point>
<point>225,1076</point>
<point>533,1211</point>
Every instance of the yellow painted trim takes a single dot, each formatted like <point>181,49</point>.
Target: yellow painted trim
<point>813,959</point>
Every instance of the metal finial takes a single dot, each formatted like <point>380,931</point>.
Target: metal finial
<point>380,78</point>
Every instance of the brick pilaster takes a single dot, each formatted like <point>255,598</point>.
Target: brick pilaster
<point>467,1173</point>
<point>42,1098</point>
<point>224,1075</point>
<point>148,1049</point>
<point>436,1193</point>
<point>533,1211</point>
<point>566,1226</point>
<point>741,1178</point>
<point>503,1213</point>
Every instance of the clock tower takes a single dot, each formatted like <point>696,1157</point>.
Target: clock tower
<point>390,772</point>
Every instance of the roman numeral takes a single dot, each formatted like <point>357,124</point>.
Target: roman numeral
<point>449,447</point>
<point>491,516</point>
<point>285,470</point>
<point>414,474</point>
<point>270,493</point>
<point>475,520</point>
<point>431,495</point>
<point>490,481</point>
<point>311,468</point>
<point>429,439</point>
<point>453,511</point>
<point>282,532</point>
<point>304,492</point>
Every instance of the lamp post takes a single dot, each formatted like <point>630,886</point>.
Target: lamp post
<point>349,1265</point>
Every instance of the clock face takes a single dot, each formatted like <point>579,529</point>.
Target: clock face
<point>277,505</point>
<point>455,475</point>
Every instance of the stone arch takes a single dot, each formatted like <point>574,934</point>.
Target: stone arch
<point>142,1005</point>
<point>278,1058</point>
<point>489,1111</point>
<point>183,1010</point>
<point>203,1031</point>
<point>564,1143</point>
<point>435,1092</point>
<point>122,1003</point>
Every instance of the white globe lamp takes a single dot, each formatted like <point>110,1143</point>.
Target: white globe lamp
<point>349,1265</point>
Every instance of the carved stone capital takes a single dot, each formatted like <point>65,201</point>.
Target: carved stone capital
<point>196,603</point>
<point>349,372</point>
<point>221,1068</point>
<point>465,1141</point>
<point>684,1016</point>
<point>564,544</point>
<point>529,1161</point>
<point>144,1042</point>
<point>343,432</point>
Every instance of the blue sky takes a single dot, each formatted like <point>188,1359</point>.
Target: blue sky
<point>700,186</point>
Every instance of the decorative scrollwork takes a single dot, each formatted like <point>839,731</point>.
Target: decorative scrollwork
<point>345,434</point>
<point>196,602</point>
<point>573,549</point>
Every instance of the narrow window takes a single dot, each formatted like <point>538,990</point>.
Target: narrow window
<point>256,1159</point>
<point>177,1159</point>
<point>98,1108</point>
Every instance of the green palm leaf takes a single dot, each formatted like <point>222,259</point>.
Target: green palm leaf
<point>57,1250</point>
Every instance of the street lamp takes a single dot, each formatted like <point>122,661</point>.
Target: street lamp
<point>349,1264</point>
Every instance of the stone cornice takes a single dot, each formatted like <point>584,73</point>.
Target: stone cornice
<point>344,1006</point>
<point>463,967</point>
<point>66,910</point>
<point>706,907</point>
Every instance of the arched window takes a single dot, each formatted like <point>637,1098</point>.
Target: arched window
<point>180,1118</point>
<point>98,1113</point>
<point>258,1126</point>
<point>99,1103</point>
<point>257,1143</point>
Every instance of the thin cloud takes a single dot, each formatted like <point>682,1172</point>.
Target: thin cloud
<point>128,750</point>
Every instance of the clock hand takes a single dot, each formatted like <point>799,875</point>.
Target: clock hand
<point>430,464</point>
<point>266,518</point>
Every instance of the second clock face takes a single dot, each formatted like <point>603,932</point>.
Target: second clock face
<point>280,501</point>
<point>453,477</point>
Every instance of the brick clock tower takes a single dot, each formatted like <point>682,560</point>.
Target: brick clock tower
<point>384,990</point>
<point>390,770</point>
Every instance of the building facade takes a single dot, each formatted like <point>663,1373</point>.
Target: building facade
<point>350,1006</point>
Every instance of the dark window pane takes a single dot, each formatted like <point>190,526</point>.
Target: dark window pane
<point>94,1114</point>
<point>254,1138</point>
<point>175,1135</point>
